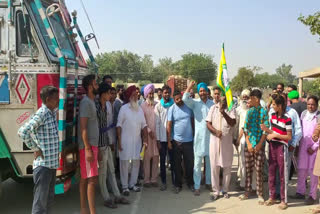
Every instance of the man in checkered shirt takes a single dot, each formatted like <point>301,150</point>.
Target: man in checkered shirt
<point>40,133</point>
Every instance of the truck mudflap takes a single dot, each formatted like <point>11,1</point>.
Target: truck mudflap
<point>64,186</point>
<point>5,153</point>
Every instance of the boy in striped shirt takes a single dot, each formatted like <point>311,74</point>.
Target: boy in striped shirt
<point>278,137</point>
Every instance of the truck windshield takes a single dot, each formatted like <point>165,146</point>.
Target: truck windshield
<point>59,31</point>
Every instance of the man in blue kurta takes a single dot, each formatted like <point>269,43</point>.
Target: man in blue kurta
<point>200,108</point>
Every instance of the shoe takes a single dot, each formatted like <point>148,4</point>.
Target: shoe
<point>121,200</point>
<point>214,197</point>
<point>135,188</point>
<point>310,201</point>
<point>225,195</point>
<point>209,187</point>
<point>163,187</point>
<point>154,184</point>
<point>177,190</point>
<point>147,185</point>
<point>298,196</point>
<point>197,192</point>
<point>126,192</point>
<point>110,204</point>
<point>139,182</point>
<point>191,187</point>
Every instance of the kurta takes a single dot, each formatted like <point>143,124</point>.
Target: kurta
<point>221,150</point>
<point>307,161</point>
<point>202,134</point>
<point>131,123</point>
<point>149,114</point>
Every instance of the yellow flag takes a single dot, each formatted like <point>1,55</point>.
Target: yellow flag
<point>223,81</point>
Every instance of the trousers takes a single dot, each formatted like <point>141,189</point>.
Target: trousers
<point>107,171</point>
<point>124,173</point>
<point>163,154</point>
<point>197,171</point>
<point>43,191</point>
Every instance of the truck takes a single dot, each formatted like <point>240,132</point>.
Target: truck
<point>176,82</point>
<point>38,47</point>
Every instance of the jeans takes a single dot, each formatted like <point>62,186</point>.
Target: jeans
<point>43,192</point>
<point>163,154</point>
<point>184,150</point>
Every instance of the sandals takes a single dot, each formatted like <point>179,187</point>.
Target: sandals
<point>226,195</point>
<point>110,204</point>
<point>121,200</point>
<point>316,210</point>
<point>283,206</point>
<point>243,197</point>
<point>270,202</point>
<point>260,200</point>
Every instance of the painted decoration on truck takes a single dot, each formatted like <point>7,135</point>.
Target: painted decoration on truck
<point>4,89</point>
<point>22,88</point>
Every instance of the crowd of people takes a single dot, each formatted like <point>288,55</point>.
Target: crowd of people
<point>127,135</point>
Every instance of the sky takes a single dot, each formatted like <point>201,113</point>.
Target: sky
<point>262,33</point>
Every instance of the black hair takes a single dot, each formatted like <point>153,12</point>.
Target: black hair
<point>137,88</point>
<point>256,93</point>
<point>177,92</point>
<point>166,87</point>
<point>119,87</point>
<point>281,84</point>
<point>47,92</point>
<point>106,77</point>
<point>113,89</point>
<point>294,87</point>
<point>103,88</point>
<point>315,98</point>
<point>280,100</point>
<point>217,88</point>
<point>87,80</point>
<point>159,89</point>
<point>274,89</point>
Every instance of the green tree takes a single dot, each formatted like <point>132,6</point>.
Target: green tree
<point>284,71</point>
<point>199,67</point>
<point>244,79</point>
<point>122,65</point>
<point>266,80</point>
<point>313,21</point>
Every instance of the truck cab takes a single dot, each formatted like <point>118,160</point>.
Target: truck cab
<point>38,47</point>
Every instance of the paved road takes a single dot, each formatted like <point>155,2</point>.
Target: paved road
<point>17,199</point>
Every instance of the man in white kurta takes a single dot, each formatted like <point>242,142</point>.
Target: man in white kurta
<point>220,122</point>
<point>131,122</point>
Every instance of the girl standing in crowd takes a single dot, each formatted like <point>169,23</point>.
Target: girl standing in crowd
<point>278,137</point>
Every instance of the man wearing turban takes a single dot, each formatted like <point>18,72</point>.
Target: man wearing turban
<point>297,104</point>
<point>151,153</point>
<point>131,122</point>
<point>200,108</point>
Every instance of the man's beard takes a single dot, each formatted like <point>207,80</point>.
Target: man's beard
<point>134,105</point>
<point>150,101</point>
<point>244,104</point>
